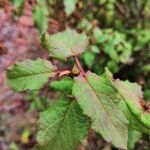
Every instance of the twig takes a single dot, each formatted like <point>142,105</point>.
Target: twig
<point>79,66</point>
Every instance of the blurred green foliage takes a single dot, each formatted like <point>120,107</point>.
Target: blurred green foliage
<point>18,6</point>
<point>70,6</point>
<point>40,15</point>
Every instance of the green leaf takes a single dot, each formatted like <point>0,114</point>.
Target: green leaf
<point>18,7</point>
<point>146,68</point>
<point>40,16</point>
<point>95,49</point>
<point>17,3</point>
<point>70,6</point>
<point>132,94</point>
<point>147,94</point>
<point>64,85</point>
<point>89,59</point>
<point>65,44</point>
<point>99,36</point>
<point>133,137</point>
<point>62,126</point>
<point>100,100</point>
<point>30,74</point>
<point>114,44</point>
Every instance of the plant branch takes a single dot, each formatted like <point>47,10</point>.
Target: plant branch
<point>79,65</point>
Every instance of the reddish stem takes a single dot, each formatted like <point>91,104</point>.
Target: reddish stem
<point>79,65</point>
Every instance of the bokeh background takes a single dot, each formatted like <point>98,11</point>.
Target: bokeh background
<point>119,32</point>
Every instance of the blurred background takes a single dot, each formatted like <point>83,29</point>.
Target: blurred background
<point>119,32</point>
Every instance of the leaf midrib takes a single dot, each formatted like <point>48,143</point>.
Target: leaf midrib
<point>94,92</point>
<point>28,75</point>
<point>61,123</point>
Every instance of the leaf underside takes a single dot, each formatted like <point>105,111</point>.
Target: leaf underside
<point>132,94</point>
<point>62,126</point>
<point>100,100</point>
<point>30,74</point>
<point>65,44</point>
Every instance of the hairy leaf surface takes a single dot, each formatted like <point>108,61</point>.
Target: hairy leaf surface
<point>30,74</point>
<point>62,126</point>
<point>100,100</point>
<point>65,44</point>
